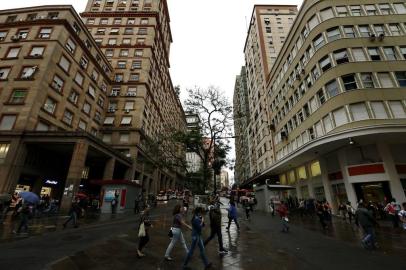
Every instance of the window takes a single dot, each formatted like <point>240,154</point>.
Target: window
<point>340,117</point>
<point>112,41</point>
<point>12,18</point>
<point>371,10</point>
<point>124,53</point>
<point>41,126</point>
<point>131,21</point>
<point>90,21</point>
<point>395,29</point>
<point>144,21</point>
<point>358,54</point>
<point>57,83</point>
<point>313,105</point>
<point>95,75</point>
<point>403,52</point>
<point>390,53</point>
<point>114,31</point>
<point>97,117</point>
<point>128,31</point>
<point>100,101</point>
<point>83,62</point>
<point>374,54</point>
<point>315,73</point>
<point>126,120</point>
<point>79,78</point>
<point>126,41</point>
<point>325,63</point>
<point>117,21</point>
<point>341,56</point>
<point>326,14</point>
<point>18,96</point>
<point>397,109</point>
<point>121,64</point>
<point>109,52</point>
<point>3,35</point>
<point>342,11</point>
<point>138,53</point>
<point>45,33</point>
<point>37,51</point>
<point>379,110</point>
<point>50,105</point>
<point>356,10</point>
<point>87,108</point>
<point>91,91</point>
<point>319,129</point>
<point>13,52</point>
<point>67,117</point>
<point>82,125</point>
<point>100,31</point>
<point>129,105</point>
<point>118,77</point>
<point>364,30</point>
<point>401,78</point>
<point>385,9</point>
<point>64,63</point>
<point>104,21</point>
<point>321,96</point>
<point>73,97</point>
<point>132,91</point>
<point>109,120</point>
<point>71,46</point>
<point>134,77</point>
<point>333,34</point>
<point>4,71</point>
<point>332,88</point>
<point>385,80</point>
<point>379,30</point>
<point>22,33</point>
<point>367,80</point>
<point>313,22</point>
<point>318,42</point>
<point>359,111</point>
<point>136,64</point>
<point>400,8</point>
<point>140,41</point>
<point>349,31</point>
<point>124,137</point>
<point>142,31</point>
<point>349,82</point>
<point>328,125</point>
<point>28,72</point>
<point>6,123</point>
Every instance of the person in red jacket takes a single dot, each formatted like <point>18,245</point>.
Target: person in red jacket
<point>283,213</point>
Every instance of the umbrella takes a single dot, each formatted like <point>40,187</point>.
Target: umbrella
<point>81,195</point>
<point>5,197</point>
<point>30,197</point>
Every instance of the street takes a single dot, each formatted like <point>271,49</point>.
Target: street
<point>111,244</point>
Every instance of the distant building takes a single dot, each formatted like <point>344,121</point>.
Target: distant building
<point>224,179</point>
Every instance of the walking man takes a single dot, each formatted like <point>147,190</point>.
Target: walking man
<point>283,213</point>
<point>74,213</point>
<point>24,212</point>
<point>364,218</point>
<point>215,227</point>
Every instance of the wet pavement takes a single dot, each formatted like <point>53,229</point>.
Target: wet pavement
<point>259,245</point>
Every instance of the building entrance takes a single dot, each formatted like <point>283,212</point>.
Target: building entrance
<point>378,192</point>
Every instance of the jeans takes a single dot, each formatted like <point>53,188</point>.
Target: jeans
<point>213,233</point>
<point>196,240</point>
<point>73,216</point>
<point>235,221</point>
<point>369,236</point>
<point>177,236</point>
<point>23,223</point>
<point>143,241</point>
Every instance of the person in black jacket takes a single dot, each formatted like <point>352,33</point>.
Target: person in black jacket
<point>215,227</point>
<point>365,218</point>
<point>74,213</point>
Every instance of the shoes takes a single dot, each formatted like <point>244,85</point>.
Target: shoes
<point>169,259</point>
<point>223,251</point>
<point>208,266</point>
<point>140,254</point>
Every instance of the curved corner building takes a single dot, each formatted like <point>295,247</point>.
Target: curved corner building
<point>337,102</point>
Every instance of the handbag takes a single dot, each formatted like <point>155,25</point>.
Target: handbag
<point>170,233</point>
<point>141,231</point>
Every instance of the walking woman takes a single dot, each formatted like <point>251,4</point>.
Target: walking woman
<point>177,231</point>
<point>197,226</point>
<point>143,234</point>
<point>232,215</point>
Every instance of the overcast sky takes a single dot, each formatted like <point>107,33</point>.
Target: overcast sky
<point>208,38</point>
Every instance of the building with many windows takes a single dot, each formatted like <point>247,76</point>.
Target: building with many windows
<point>66,117</point>
<point>337,100</point>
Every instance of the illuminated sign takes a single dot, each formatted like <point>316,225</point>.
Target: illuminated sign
<point>51,182</point>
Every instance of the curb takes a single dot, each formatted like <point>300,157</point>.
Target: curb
<point>64,263</point>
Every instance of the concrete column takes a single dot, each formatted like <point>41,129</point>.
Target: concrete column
<point>299,191</point>
<point>310,181</point>
<point>12,166</point>
<point>74,176</point>
<point>390,169</point>
<point>349,188</point>
<point>328,190</point>
<point>130,173</point>
<point>108,173</point>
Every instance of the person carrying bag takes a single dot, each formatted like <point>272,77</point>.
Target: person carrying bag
<point>143,234</point>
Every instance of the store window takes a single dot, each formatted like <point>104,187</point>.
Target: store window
<point>359,111</point>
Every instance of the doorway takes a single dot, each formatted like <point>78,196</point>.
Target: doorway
<point>378,192</point>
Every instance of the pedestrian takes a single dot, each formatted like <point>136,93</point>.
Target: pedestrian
<point>176,231</point>
<point>24,213</point>
<point>364,218</point>
<point>321,215</point>
<point>113,205</point>
<point>350,211</point>
<point>136,204</point>
<point>343,210</point>
<point>272,207</point>
<point>402,215</point>
<point>302,207</point>
<point>283,213</point>
<point>74,212</point>
<point>197,226</point>
<point>143,231</point>
<point>215,227</point>
<point>232,216</point>
<point>247,208</point>
<point>393,209</point>
<point>186,203</point>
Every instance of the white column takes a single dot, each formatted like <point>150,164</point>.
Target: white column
<point>328,191</point>
<point>299,190</point>
<point>349,188</point>
<point>390,169</point>
<point>310,181</point>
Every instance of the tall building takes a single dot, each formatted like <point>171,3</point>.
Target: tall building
<point>241,121</point>
<point>268,29</point>
<point>79,103</point>
<point>193,160</point>
<point>224,180</point>
<point>338,103</point>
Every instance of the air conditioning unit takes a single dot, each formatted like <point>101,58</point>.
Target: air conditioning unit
<point>372,37</point>
<point>15,38</point>
<point>381,36</point>
<point>111,110</point>
<point>127,110</point>
<point>131,94</point>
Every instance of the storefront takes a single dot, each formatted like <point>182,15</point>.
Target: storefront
<point>373,191</point>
